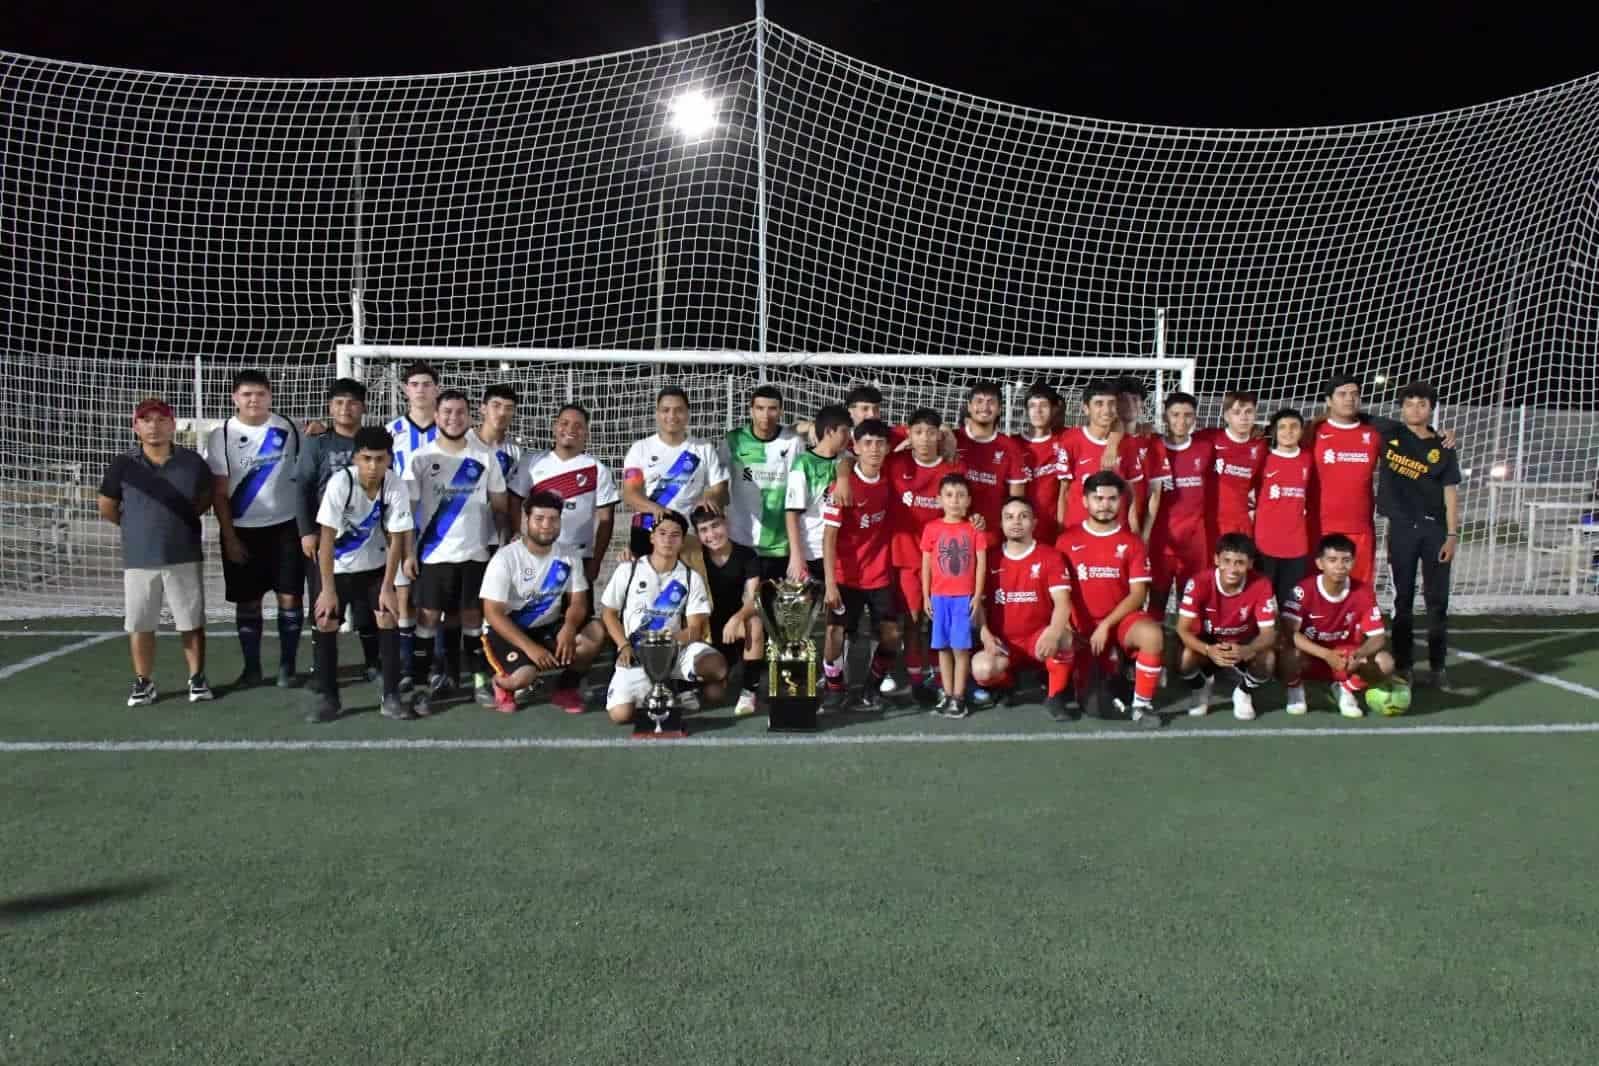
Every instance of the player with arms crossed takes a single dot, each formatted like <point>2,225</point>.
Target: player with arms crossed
<point>733,574</point>
<point>1152,468</point>
<point>914,476</point>
<point>1228,621</point>
<point>536,609</point>
<point>1236,455</point>
<point>758,458</point>
<point>1028,621</point>
<point>1110,570</point>
<point>1339,636</point>
<point>1042,457</point>
<point>412,431</point>
<point>252,458</point>
<point>815,469</point>
<point>1083,453</point>
<point>1177,535</point>
<point>857,575</point>
<point>363,506</point>
<point>658,591</point>
<point>1346,451</point>
<point>459,497</point>
<point>578,478</point>
<point>670,471</point>
<point>993,462</point>
<point>954,571</point>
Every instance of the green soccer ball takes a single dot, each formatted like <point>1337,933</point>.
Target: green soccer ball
<point>1389,700</point>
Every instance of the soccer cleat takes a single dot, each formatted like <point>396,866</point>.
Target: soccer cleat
<point>868,699</point>
<point>569,700</point>
<point>488,696</point>
<point>982,698</point>
<point>326,709</point>
<point>1060,708</point>
<point>394,707</point>
<point>940,706</point>
<point>834,697</point>
<point>1143,712</point>
<point>927,692</point>
<point>956,707</point>
<point>1243,705</point>
<point>420,707</point>
<point>503,700</point>
<point>286,677</point>
<point>745,706</point>
<point>892,688</point>
<point>200,689</point>
<point>374,673</point>
<point>1348,703</point>
<point>1198,704</point>
<point>440,686</point>
<point>250,678</point>
<point>143,692</point>
<point>1297,703</point>
<point>407,683</point>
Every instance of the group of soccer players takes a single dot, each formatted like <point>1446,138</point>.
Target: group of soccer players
<point>980,557</point>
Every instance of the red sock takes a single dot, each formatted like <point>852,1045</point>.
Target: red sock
<point>1146,676</point>
<point>1354,683</point>
<point>1059,673</point>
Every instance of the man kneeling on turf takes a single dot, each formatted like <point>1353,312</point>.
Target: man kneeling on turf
<point>1228,620</point>
<point>1329,615</point>
<point>659,592</point>
<point>1028,621</point>
<point>529,632</point>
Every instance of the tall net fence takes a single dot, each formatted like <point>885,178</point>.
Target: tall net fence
<point>164,230</point>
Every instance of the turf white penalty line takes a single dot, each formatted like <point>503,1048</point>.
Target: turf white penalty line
<point>270,635</point>
<point>805,740</point>
<point>1530,675</point>
<point>55,653</point>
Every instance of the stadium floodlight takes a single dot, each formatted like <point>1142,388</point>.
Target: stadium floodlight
<point>692,114</point>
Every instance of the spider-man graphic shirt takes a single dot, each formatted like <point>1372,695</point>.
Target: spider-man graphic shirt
<point>953,547</point>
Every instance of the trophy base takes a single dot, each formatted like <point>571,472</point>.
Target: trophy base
<point>791,714</point>
<point>668,728</point>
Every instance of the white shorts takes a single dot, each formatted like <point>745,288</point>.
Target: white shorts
<point>181,587</point>
<point>630,684</point>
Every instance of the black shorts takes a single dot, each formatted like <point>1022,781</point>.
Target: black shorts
<point>359,592</point>
<point>450,587</point>
<point>882,604</point>
<point>274,564</point>
<point>1284,575</point>
<point>505,657</point>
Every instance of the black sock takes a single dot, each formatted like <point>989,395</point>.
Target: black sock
<point>369,647</point>
<point>290,621</point>
<point>389,653</point>
<point>567,678</point>
<point>477,664</point>
<point>422,655</point>
<point>754,674</point>
<point>452,652</point>
<point>407,632</point>
<point>326,647</point>
<point>248,622</point>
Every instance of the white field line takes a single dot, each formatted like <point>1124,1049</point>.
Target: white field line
<point>55,653</point>
<point>1530,675</point>
<point>803,740</point>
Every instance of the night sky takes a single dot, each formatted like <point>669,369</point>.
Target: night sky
<point>1244,63</point>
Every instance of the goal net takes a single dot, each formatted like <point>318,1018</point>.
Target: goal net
<point>750,191</point>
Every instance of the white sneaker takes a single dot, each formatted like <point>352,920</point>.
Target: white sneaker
<point>891,687</point>
<point>1348,704</point>
<point>1199,703</point>
<point>746,704</point>
<point>1297,704</point>
<point>1243,705</point>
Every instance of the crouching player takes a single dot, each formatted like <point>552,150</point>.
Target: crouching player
<point>1111,582</point>
<point>659,591</point>
<point>1228,620</point>
<point>536,606</point>
<point>363,505</point>
<point>1028,622</point>
<point>1338,636</point>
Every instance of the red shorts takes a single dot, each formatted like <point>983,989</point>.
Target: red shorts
<point>1019,655</point>
<point>1123,628</point>
<point>1174,559</point>
<point>909,583</point>
<point>1313,669</point>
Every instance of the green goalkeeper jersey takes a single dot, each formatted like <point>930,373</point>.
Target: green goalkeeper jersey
<point>757,477</point>
<point>808,483</point>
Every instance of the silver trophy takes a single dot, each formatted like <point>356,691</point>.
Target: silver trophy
<point>657,652</point>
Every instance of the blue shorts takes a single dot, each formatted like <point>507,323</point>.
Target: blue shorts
<point>952,623</point>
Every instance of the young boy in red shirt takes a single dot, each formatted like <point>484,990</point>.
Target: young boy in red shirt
<point>1282,515</point>
<point>954,564</point>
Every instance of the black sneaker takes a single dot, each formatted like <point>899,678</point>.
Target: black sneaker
<point>956,707</point>
<point>287,678</point>
<point>868,699</point>
<point>407,683</point>
<point>1061,708</point>
<point>374,674</point>
<point>250,678</point>
<point>1145,716</point>
<point>927,693</point>
<point>199,689</point>
<point>143,692</point>
<point>326,709</point>
<point>420,707</point>
<point>833,698</point>
<point>440,686</point>
<point>394,707</point>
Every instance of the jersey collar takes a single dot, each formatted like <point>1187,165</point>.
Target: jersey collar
<point>1340,598</point>
<point>1111,532</point>
<point>1018,558</point>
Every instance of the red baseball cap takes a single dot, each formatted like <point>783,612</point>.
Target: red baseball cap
<point>152,407</point>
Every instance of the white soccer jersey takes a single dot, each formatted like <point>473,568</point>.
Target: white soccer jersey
<point>675,475</point>
<point>359,521</point>
<point>507,451</point>
<point>532,586</point>
<point>650,600</point>
<point>409,438</point>
<point>450,495</point>
<point>582,481</point>
<point>258,462</point>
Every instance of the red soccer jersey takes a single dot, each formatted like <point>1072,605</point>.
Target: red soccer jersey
<point>992,466</point>
<point>914,489</point>
<point>1335,622</point>
<point>1082,454</point>
<point>1185,499</point>
<point>1235,618</point>
<point>1105,567</point>
<point>1233,464</point>
<point>1041,466</point>
<point>861,552</point>
<point>1019,601</point>
<point>1282,528</point>
<point>1346,456</point>
<point>954,547</point>
<point>1150,457</point>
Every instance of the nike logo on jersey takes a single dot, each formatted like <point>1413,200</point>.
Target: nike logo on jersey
<point>1271,473</point>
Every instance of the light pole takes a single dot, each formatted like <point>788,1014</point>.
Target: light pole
<point>691,115</point>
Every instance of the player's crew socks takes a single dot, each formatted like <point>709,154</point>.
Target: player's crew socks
<point>476,662</point>
<point>406,628</point>
<point>882,663</point>
<point>834,674</point>
<point>369,647</point>
<point>1146,676</point>
<point>422,654</point>
<point>1354,684</point>
<point>290,622</point>
<point>326,648</point>
<point>452,652</point>
<point>248,623</point>
<point>389,653</point>
<point>1058,675</point>
<point>1195,680</point>
<point>754,674</point>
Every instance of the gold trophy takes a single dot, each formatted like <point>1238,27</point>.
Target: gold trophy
<point>790,656</point>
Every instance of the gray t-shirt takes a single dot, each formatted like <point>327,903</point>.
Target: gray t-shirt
<point>160,525</point>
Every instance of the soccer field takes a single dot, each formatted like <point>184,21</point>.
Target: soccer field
<point>225,884</point>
